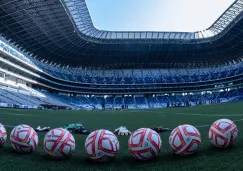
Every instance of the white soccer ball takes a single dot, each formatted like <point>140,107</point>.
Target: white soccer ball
<point>144,144</point>
<point>223,133</point>
<point>59,143</point>
<point>184,140</point>
<point>101,145</point>
<point>24,139</point>
<point>3,135</point>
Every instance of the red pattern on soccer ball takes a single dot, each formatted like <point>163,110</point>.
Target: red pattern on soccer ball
<point>67,142</point>
<point>138,149</point>
<point>3,135</point>
<point>186,138</point>
<point>24,144</point>
<point>223,130</point>
<point>101,135</point>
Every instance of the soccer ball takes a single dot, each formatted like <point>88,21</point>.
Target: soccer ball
<point>24,139</point>
<point>184,140</point>
<point>223,133</point>
<point>59,143</point>
<point>101,145</point>
<point>3,135</point>
<point>144,144</point>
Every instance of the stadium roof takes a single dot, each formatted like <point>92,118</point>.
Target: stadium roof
<point>62,31</point>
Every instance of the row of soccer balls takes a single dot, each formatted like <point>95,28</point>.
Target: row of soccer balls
<point>102,145</point>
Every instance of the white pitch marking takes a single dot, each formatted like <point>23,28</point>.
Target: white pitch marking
<point>202,126</point>
<point>198,114</point>
<point>16,114</point>
<point>9,126</point>
<point>199,126</point>
<point>187,114</point>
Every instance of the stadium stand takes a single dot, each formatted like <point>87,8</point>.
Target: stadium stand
<point>12,93</point>
<point>27,97</point>
<point>131,76</point>
<point>181,69</point>
<point>151,76</point>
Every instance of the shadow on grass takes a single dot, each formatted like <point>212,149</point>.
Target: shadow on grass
<point>212,150</point>
<point>171,157</point>
<point>10,151</point>
<point>79,158</point>
<point>125,160</point>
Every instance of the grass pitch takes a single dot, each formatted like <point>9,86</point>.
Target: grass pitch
<point>206,158</point>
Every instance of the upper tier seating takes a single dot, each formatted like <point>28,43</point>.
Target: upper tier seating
<point>126,76</point>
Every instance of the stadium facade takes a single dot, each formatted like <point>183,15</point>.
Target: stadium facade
<point>53,46</point>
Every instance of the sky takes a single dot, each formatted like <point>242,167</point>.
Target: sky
<point>156,15</point>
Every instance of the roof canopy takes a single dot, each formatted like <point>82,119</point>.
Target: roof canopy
<point>62,31</point>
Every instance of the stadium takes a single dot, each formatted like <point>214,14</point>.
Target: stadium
<point>57,68</point>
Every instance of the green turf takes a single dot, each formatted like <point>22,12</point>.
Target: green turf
<point>206,158</point>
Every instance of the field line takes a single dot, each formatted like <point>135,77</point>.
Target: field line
<point>9,126</point>
<point>201,114</point>
<point>187,114</point>
<point>202,126</point>
<point>17,114</point>
<point>199,126</point>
